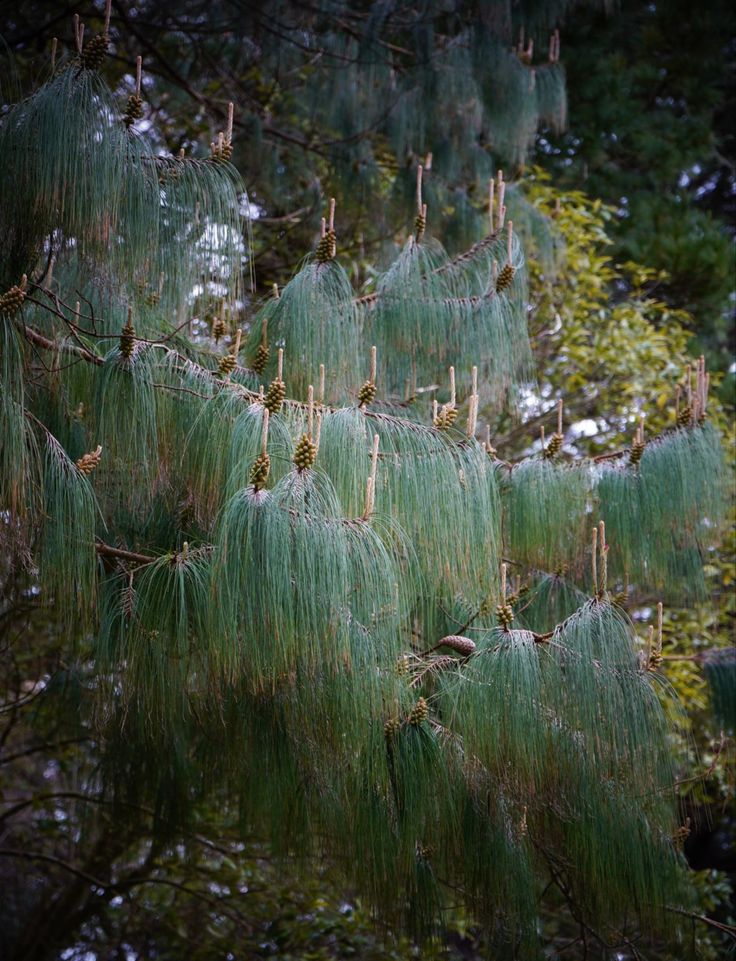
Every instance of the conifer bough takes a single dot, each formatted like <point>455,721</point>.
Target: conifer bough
<point>327,543</point>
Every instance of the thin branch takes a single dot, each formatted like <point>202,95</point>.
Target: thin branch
<point>728,929</point>
<point>106,550</point>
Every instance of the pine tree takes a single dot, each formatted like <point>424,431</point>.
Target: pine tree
<point>300,580</point>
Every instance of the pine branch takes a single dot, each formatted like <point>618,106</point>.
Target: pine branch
<point>106,550</point>
<point>38,340</point>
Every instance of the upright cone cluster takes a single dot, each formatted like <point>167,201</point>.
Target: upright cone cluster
<point>127,338</point>
<point>305,453</point>
<point>87,463</point>
<point>12,300</point>
<point>259,471</point>
<point>275,395</point>
<point>94,53</point>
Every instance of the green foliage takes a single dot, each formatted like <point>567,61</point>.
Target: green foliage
<point>652,516</point>
<point>17,455</point>
<point>150,626</point>
<point>613,357</point>
<point>547,516</point>
<point>548,601</point>
<point>260,633</point>
<point>651,94</point>
<point>314,320</point>
<point>67,563</point>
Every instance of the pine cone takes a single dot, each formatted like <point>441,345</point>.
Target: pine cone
<point>127,340</point>
<point>261,358</point>
<point>505,615</point>
<point>637,449</point>
<point>275,396</point>
<point>305,453</point>
<point>259,471</point>
<point>220,153</point>
<point>331,238</point>
<point>682,833</point>
<point>227,365</point>
<point>684,416</point>
<point>93,55</point>
<point>134,110</point>
<point>324,251</point>
<point>553,448</point>
<point>151,299</point>
<point>504,278</point>
<point>218,329</point>
<point>366,394</point>
<point>420,225</point>
<point>446,417</point>
<point>12,300</point>
<point>402,664</point>
<point>87,463</point>
<point>655,660</point>
<point>463,645</point>
<point>391,728</point>
<point>419,713</point>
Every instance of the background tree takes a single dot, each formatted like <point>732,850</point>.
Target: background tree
<point>652,94</point>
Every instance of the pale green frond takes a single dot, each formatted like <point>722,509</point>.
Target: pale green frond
<point>19,467</point>
<point>661,516</point>
<point>545,505</point>
<point>152,634</point>
<point>68,561</point>
<point>314,320</point>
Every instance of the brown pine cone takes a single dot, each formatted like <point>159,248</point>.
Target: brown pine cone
<point>684,416</point>
<point>419,713</point>
<point>227,365</point>
<point>218,329</point>
<point>504,278</point>
<point>87,463</point>
<point>655,660</point>
<point>127,340</point>
<point>261,358</point>
<point>402,664</point>
<point>463,645</point>
<point>93,55</point>
<point>324,251</point>
<point>305,453</point>
<point>420,225</point>
<point>505,615</point>
<point>275,396</point>
<point>12,300</point>
<point>134,110</point>
<point>259,471</point>
<point>391,728</point>
<point>637,449</point>
<point>554,446</point>
<point>366,394</point>
<point>446,417</point>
